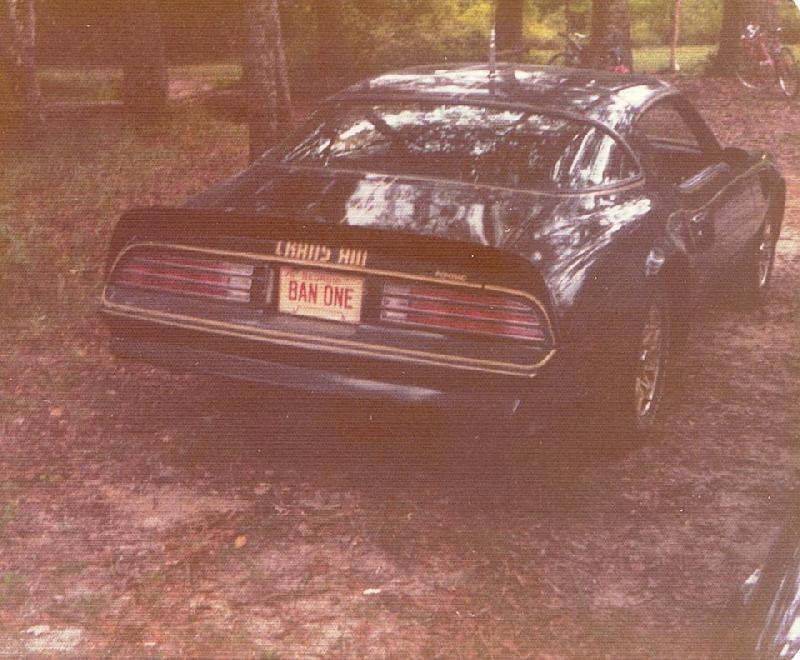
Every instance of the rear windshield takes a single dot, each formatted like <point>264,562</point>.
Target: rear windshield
<point>492,146</point>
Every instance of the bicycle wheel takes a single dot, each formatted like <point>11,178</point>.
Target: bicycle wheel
<point>787,73</point>
<point>750,71</point>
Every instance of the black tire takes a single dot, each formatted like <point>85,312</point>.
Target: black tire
<point>755,273</point>
<point>787,73</point>
<point>629,405</point>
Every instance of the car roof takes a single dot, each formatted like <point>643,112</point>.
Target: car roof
<point>611,99</point>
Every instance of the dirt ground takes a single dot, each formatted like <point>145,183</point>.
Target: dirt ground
<point>155,515</point>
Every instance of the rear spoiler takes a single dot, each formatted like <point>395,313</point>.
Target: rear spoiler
<point>434,256</point>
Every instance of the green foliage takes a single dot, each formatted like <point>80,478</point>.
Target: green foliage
<point>61,200</point>
<point>790,22</point>
<point>417,31</point>
<point>13,259</point>
<point>655,59</point>
<point>383,33</point>
<point>12,590</point>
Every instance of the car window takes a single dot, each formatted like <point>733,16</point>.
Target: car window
<point>663,123</point>
<point>493,146</point>
<point>593,158</point>
<point>676,150</point>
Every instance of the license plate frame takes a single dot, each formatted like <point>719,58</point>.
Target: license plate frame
<point>320,294</point>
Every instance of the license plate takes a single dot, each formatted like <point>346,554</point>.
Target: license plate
<point>320,294</point>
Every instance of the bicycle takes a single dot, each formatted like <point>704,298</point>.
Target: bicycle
<point>573,52</point>
<point>576,50</point>
<point>764,61</point>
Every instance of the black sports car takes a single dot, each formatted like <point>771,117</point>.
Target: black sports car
<point>519,240</point>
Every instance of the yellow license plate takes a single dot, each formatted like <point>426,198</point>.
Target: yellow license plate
<point>320,294</point>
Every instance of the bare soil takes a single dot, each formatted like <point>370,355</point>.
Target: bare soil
<point>150,514</point>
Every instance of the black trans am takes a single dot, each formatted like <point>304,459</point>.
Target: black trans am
<point>528,240</point>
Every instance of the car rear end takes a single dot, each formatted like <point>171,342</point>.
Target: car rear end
<point>329,309</point>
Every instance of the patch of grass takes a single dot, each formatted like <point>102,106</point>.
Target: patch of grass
<point>9,493</point>
<point>7,513</point>
<point>103,83</point>
<point>87,608</point>
<point>80,83</point>
<point>216,75</point>
<point>655,59</point>
<point>70,568</point>
<point>61,200</point>
<point>268,655</point>
<point>12,590</point>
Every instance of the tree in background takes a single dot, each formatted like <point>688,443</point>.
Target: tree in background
<point>18,63</point>
<point>735,15</point>
<point>145,82</point>
<point>611,26</point>
<point>766,13</point>
<point>334,57</point>
<point>509,16</point>
<point>730,32</point>
<point>266,79</point>
<point>674,67</point>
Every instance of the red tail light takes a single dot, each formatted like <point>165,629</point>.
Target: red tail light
<point>464,311</point>
<point>179,273</point>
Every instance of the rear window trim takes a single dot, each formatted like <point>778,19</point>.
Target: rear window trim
<point>638,176</point>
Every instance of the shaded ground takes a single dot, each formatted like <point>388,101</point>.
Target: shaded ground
<point>148,514</point>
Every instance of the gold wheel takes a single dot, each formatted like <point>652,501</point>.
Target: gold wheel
<point>648,376</point>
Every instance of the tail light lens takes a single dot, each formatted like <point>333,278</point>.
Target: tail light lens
<point>186,274</point>
<point>472,312</point>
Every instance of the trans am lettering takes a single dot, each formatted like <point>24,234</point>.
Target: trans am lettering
<point>321,253</point>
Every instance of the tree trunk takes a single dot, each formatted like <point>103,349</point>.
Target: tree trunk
<point>334,56</point>
<point>765,13</point>
<point>145,82</point>
<point>508,24</point>
<point>266,77</point>
<point>569,19</point>
<point>674,67</point>
<point>735,15</point>
<point>611,27</point>
<point>18,61</point>
<point>728,50</point>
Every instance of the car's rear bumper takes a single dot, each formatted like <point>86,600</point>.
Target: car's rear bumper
<point>311,380</point>
<point>319,372</point>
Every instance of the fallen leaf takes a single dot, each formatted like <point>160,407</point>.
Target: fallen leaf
<point>240,542</point>
<point>371,592</point>
<point>56,412</point>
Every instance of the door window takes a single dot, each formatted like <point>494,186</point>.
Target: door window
<point>674,150</point>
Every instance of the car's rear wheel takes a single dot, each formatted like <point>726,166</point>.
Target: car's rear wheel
<point>630,405</point>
